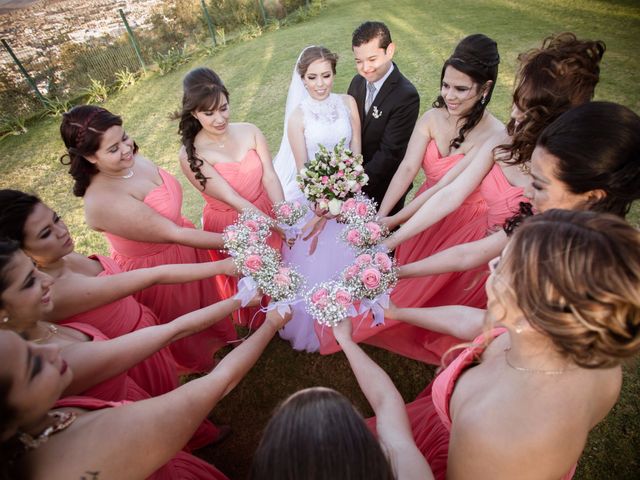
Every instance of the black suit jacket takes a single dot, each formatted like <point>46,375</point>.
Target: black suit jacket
<point>385,138</point>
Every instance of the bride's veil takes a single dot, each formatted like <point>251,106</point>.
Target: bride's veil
<point>284,162</point>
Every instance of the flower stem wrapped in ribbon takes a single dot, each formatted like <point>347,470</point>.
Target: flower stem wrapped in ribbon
<point>331,177</point>
<point>329,303</point>
<point>370,279</point>
<point>288,215</point>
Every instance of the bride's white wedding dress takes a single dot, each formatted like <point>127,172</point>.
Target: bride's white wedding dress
<point>326,122</point>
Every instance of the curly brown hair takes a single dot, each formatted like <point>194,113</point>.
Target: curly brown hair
<point>561,74</point>
<point>202,90</point>
<point>575,275</point>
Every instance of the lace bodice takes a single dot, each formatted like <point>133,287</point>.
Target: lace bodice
<point>326,122</point>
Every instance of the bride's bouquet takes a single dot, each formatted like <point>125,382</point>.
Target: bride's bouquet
<point>332,177</point>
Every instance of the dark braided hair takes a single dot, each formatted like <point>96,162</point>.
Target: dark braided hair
<point>81,129</point>
<point>202,91</point>
<point>562,74</point>
<point>476,56</point>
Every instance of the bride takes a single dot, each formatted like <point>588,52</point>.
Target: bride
<point>314,116</point>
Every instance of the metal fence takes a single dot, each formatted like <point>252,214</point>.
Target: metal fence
<point>30,82</point>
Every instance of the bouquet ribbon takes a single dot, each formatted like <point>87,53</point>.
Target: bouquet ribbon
<point>377,306</point>
<point>247,289</point>
<point>290,232</point>
<point>282,307</point>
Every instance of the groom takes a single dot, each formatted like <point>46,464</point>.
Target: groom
<point>388,104</point>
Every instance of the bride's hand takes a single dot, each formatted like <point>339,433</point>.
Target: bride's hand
<point>314,227</point>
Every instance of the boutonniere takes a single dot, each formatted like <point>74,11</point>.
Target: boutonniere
<point>376,113</point>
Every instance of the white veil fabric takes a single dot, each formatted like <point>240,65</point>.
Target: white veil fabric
<point>284,162</point>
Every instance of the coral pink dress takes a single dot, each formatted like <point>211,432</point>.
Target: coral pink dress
<point>183,465</point>
<point>245,177</point>
<point>482,212</point>
<point>193,353</point>
<point>429,414</point>
<point>157,374</point>
<point>124,387</point>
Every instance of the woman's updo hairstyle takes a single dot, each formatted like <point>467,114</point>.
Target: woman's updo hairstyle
<point>317,434</point>
<point>313,53</point>
<point>203,90</point>
<point>575,276</point>
<point>15,209</point>
<point>597,146</point>
<point>82,129</point>
<point>476,56</point>
<point>562,74</point>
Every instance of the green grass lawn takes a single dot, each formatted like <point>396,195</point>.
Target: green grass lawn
<point>257,74</point>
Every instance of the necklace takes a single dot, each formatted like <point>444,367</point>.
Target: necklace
<point>530,370</point>
<point>125,176</point>
<point>62,421</point>
<point>51,331</point>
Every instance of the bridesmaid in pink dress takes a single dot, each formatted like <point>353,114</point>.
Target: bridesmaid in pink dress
<point>445,209</point>
<point>103,441</point>
<point>569,318</point>
<point>99,363</point>
<point>229,163</point>
<point>143,223</point>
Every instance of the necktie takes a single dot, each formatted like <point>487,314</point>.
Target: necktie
<point>371,92</point>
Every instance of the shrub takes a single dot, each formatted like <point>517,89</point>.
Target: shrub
<point>125,78</point>
<point>55,107</point>
<point>169,61</point>
<point>97,92</point>
<point>12,125</point>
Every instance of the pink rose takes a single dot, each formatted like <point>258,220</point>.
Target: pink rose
<point>363,259</point>
<point>383,261</point>
<point>351,272</point>
<point>343,297</point>
<point>319,295</point>
<point>374,230</point>
<point>284,270</point>
<point>370,278</point>
<point>253,263</point>
<point>285,210</point>
<point>356,188</point>
<point>231,234</point>
<point>348,205</point>
<point>281,280</point>
<point>253,238</point>
<point>325,179</point>
<point>353,237</point>
<point>340,173</point>
<point>251,225</point>
<point>361,209</point>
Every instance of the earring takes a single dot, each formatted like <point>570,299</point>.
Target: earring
<point>5,319</point>
<point>519,327</point>
<point>483,100</point>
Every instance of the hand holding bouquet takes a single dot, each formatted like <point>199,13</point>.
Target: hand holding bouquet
<point>331,177</point>
<point>329,303</point>
<point>370,278</point>
<point>288,214</point>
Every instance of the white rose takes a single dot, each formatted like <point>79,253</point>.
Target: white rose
<point>335,206</point>
<point>323,204</point>
<point>358,168</point>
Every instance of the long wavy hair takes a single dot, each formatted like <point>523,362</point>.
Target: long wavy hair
<point>575,276</point>
<point>82,129</point>
<point>561,74</point>
<point>15,209</point>
<point>476,56</point>
<point>202,90</point>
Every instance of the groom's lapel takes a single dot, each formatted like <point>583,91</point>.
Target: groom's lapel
<point>360,96</point>
<point>387,88</point>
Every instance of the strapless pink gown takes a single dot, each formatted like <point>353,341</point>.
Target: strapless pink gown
<point>124,387</point>
<point>157,374</point>
<point>429,414</point>
<point>245,177</point>
<point>194,353</point>
<point>482,212</point>
<point>183,465</point>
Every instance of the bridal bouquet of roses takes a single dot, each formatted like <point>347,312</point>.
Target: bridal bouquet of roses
<point>332,177</point>
<point>364,235</point>
<point>370,279</point>
<point>251,228</point>
<point>329,303</point>
<point>283,288</point>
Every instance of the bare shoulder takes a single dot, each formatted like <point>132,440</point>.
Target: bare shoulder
<point>348,100</point>
<point>182,154</point>
<point>244,128</point>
